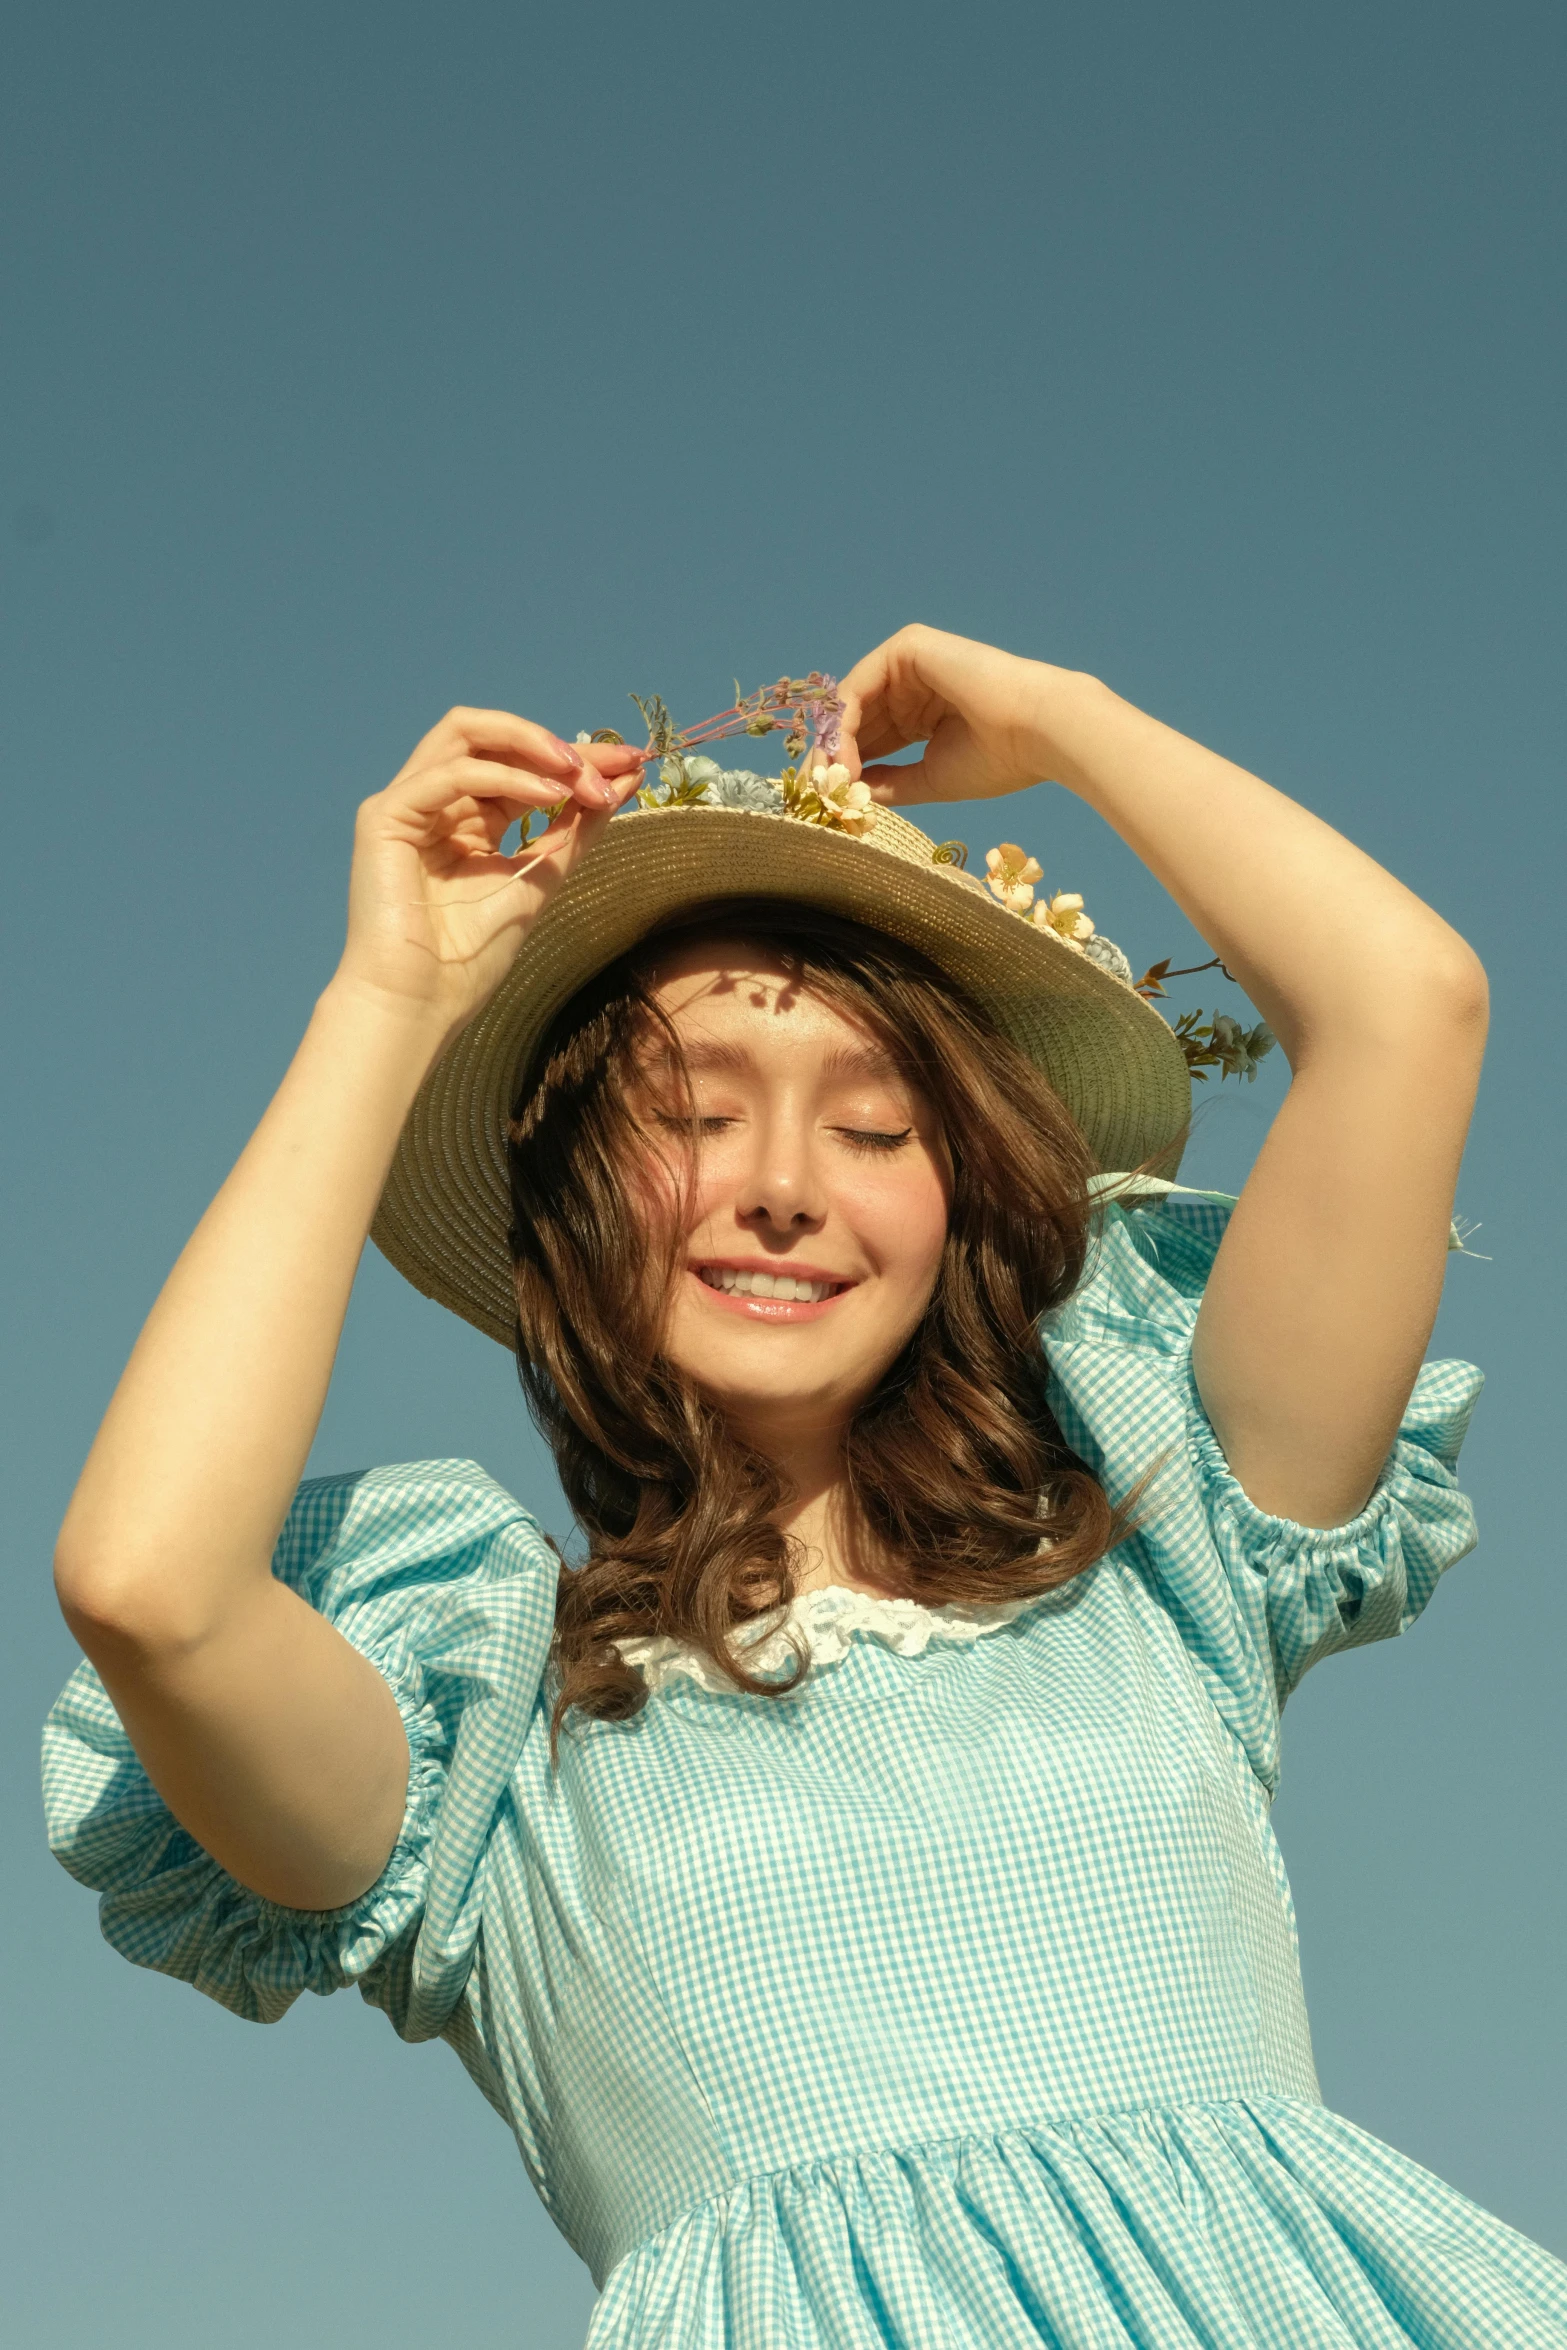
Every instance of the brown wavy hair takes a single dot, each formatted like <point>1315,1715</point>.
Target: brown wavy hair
<point>962,1480</point>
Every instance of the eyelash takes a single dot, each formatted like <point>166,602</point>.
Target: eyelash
<point>860,1138</point>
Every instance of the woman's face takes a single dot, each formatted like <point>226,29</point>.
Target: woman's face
<point>820,1195</point>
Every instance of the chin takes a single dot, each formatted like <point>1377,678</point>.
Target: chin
<point>734,1380</point>
<point>745,1389</point>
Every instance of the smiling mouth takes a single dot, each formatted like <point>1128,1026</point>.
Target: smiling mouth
<point>786,1288</point>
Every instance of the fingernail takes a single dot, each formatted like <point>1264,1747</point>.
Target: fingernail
<point>569,752</point>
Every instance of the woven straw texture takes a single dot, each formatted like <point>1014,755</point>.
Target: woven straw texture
<point>445,1212</point>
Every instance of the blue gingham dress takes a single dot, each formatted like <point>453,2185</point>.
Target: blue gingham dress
<point>951,2002</point>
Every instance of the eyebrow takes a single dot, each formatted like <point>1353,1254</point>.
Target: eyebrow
<point>860,1060</point>
<point>844,1060</point>
<point>710,1055</point>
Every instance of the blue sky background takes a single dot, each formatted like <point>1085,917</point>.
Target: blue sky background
<point>366,360</point>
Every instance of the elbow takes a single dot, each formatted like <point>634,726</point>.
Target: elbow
<point>1456,992</point>
<point>1458,977</point>
<point>1430,995</point>
<point>118,1607</point>
<point>1416,1003</point>
<point>104,1604</point>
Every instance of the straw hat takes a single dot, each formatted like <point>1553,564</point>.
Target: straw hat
<point>446,1209</point>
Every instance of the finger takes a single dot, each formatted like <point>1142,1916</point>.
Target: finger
<point>614,759</point>
<point>899,787</point>
<point>541,866</point>
<point>496,734</point>
<point>869,730</point>
<point>613,773</point>
<point>866,680</point>
<point>892,699</point>
<point>881,738</point>
<point>857,693</point>
<point>458,787</point>
<point>481,833</point>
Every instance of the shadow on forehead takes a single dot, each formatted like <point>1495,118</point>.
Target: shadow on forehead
<point>730,975</point>
<point>768,977</point>
<point>772,957</point>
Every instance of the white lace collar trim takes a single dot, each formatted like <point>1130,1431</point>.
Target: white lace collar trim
<point>826,1621</point>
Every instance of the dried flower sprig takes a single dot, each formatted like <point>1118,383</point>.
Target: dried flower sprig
<point>816,787</point>
<point>1219,1042</point>
<point>1152,981</point>
<point>1222,1043</point>
<point>807,711</point>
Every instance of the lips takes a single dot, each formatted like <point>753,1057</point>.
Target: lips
<point>764,1293</point>
<point>748,1281</point>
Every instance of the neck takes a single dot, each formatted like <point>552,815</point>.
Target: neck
<point>819,1515</point>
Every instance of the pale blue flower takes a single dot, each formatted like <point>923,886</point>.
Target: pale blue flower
<point>737,787</point>
<point>1108,956</point>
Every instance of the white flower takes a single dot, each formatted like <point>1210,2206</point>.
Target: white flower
<point>844,802</point>
<point>1064,915</point>
<point>1012,876</point>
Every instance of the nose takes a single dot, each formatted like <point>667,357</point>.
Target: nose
<point>782,1190</point>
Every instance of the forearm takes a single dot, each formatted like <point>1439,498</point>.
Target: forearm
<point>191,1474</point>
<point>1322,1295</point>
<point>1325,942</point>
<point>1321,1303</point>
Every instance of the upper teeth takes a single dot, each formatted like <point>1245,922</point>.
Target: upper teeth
<point>767,1285</point>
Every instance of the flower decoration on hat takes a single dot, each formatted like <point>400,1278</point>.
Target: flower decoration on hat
<point>1063,915</point>
<point>1217,1041</point>
<point>1011,876</point>
<point>827,794</point>
<point>817,787</point>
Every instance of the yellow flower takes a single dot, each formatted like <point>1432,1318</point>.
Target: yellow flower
<point>1064,915</point>
<point>844,803</point>
<point>1012,876</point>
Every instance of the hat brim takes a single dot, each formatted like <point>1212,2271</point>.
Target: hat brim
<point>446,1209</point>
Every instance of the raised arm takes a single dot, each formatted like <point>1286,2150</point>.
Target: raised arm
<point>1325,1289</point>
<point>271,1739</point>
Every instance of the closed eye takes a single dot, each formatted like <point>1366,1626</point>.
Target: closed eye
<point>693,1125</point>
<point>867,1138</point>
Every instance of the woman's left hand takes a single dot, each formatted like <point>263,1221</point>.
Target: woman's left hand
<point>1323,1293</point>
<point>980,713</point>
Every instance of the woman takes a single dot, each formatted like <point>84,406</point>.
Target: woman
<point>853,1880</point>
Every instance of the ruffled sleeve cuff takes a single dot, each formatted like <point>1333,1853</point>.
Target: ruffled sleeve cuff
<point>1255,1600</point>
<point>446,1585</point>
<point>1321,1589</point>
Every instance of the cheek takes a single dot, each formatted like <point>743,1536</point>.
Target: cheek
<point>658,1193</point>
<point>721,1181</point>
<point>901,1214</point>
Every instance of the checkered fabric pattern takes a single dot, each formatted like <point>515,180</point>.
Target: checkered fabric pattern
<point>951,2002</point>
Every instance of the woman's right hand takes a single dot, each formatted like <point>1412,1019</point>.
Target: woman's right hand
<point>276,1744</point>
<point>435,913</point>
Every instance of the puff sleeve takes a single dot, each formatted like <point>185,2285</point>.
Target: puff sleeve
<point>1256,1599</point>
<point>448,1587</point>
